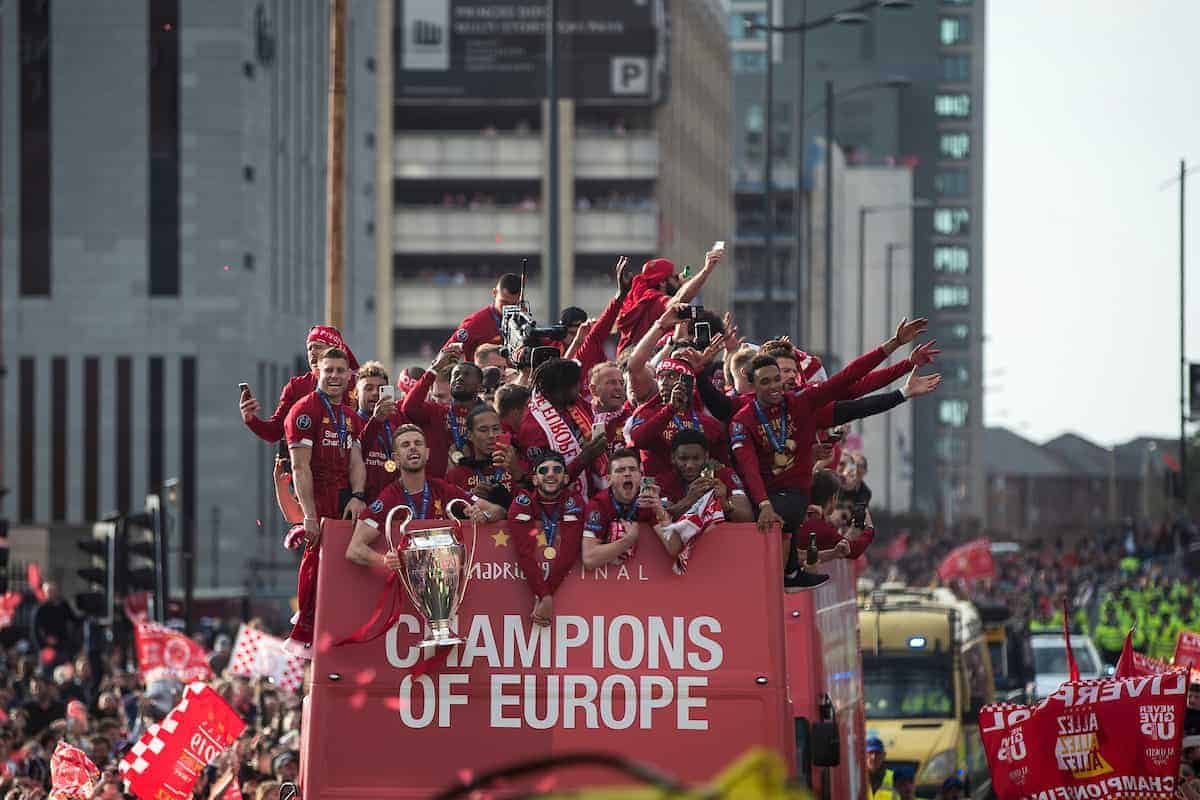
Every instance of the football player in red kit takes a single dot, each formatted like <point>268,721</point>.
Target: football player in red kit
<point>445,426</point>
<point>327,472</point>
<point>427,496</point>
<point>320,339</point>
<point>675,408</point>
<point>483,327</point>
<point>381,417</point>
<point>490,465</point>
<point>547,531</point>
<point>693,472</point>
<point>610,529</point>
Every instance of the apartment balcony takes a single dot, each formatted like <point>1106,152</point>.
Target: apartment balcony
<point>441,305</point>
<point>625,231</point>
<point>434,229</point>
<point>518,156</point>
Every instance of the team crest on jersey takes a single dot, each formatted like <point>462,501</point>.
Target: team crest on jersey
<point>594,518</point>
<point>377,506</point>
<point>304,422</point>
<point>571,505</point>
<point>736,429</point>
<point>522,499</point>
<point>461,335</point>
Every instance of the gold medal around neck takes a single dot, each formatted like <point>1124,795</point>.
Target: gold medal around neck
<point>456,456</point>
<point>389,465</point>
<point>781,459</point>
<point>549,553</point>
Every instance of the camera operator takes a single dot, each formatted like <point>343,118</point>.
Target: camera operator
<point>559,420</point>
<point>483,327</point>
<point>445,426</point>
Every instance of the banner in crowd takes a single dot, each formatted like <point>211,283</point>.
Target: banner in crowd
<point>72,773</point>
<point>1187,650</point>
<point>260,655</point>
<point>1109,737</point>
<point>969,561</point>
<point>163,653</point>
<point>165,762</point>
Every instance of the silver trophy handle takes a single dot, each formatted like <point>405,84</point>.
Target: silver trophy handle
<point>387,525</point>
<point>462,590</point>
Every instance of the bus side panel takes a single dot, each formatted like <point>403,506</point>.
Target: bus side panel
<point>824,658</point>
<point>683,672</point>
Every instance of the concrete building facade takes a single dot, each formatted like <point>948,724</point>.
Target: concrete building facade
<point>163,204</point>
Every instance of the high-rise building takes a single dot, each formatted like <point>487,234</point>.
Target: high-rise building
<point>933,124</point>
<point>163,204</point>
<point>643,137</point>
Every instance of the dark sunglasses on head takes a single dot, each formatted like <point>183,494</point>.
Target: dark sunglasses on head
<point>550,469</point>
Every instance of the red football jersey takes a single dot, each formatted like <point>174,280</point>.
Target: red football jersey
<point>546,560</point>
<point>377,450</point>
<point>429,503</point>
<point>654,425</point>
<point>482,327</point>
<point>437,423</point>
<point>310,424</point>
<point>673,489</point>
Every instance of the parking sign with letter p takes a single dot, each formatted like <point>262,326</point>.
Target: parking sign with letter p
<point>630,75</point>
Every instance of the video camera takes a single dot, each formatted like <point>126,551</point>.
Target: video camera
<point>524,342</point>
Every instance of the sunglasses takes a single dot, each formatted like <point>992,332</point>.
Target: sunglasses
<point>550,469</point>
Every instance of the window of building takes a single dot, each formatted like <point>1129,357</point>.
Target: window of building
<point>952,222</point>
<point>749,63</point>
<point>956,68</point>
<point>955,30</point>
<point>953,412</point>
<point>952,259</point>
<point>737,25</point>
<point>951,295</point>
<point>952,105</point>
<point>952,334</point>
<point>754,119</point>
<point>955,144</point>
<point>957,2</point>
<point>950,448</point>
<point>955,375</point>
<point>951,182</point>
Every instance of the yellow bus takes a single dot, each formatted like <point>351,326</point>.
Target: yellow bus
<point>926,674</point>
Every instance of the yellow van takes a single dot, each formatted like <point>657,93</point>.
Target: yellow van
<point>926,674</point>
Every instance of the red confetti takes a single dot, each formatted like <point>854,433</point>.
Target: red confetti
<point>358,700</point>
<point>226,268</point>
<point>325,643</point>
<point>465,775</point>
<point>258,522</point>
<point>546,784</point>
<point>395,703</point>
<point>365,677</point>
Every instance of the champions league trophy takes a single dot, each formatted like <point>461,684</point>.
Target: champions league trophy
<point>435,571</point>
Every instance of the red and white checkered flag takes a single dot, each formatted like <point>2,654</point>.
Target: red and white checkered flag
<point>165,762</point>
<point>261,655</point>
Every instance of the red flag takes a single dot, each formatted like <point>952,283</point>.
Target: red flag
<point>72,774</point>
<point>137,606</point>
<point>1187,650</point>
<point>33,577</point>
<point>164,653</point>
<point>970,561</point>
<point>1109,737</point>
<point>8,604</point>
<point>898,547</point>
<point>164,763</point>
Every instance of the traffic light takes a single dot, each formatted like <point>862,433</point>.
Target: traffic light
<point>98,601</point>
<point>139,557</point>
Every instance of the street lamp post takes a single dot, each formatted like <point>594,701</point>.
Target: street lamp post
<point>892,247</point>
<point>853,15</point>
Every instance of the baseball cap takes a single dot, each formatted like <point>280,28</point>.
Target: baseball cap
<point>875,745</point>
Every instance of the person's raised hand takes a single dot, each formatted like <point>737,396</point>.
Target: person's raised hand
<point>450,354</point>
<point>712,258</point>
<point>670,318</point>
<point>679,397</point>
<point>249,408</point>
<point>843,549</point>
<point>384,409</point>
<point>918,385</point>
<point>714,349</point>
<point>925,353</point>
<point>908,330</point>
<point>624,275</point>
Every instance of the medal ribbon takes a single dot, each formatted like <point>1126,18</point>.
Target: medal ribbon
<point>459,437</point>
<point>385,438</point>
<point>778,443</point>
<point>341,418</point>
<point>621,512</point>
<point>550,526</point>
<point>695,426</point>
<point>424,500</point>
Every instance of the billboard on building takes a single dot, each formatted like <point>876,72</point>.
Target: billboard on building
<point>471,51</point>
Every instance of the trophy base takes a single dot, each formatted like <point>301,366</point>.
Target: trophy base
<point>436,641</point>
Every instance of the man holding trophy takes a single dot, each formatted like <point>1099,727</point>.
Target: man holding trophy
<point>547,530</point>
<point>428,497</point>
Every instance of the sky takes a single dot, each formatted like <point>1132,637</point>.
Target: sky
<point>1090,106</point>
